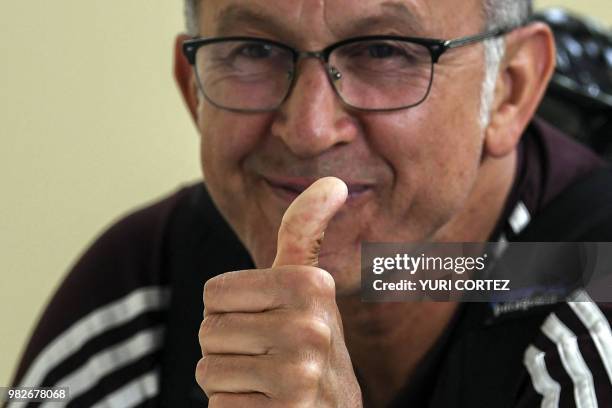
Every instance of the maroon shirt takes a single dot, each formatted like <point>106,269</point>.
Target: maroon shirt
<point>103,333</point>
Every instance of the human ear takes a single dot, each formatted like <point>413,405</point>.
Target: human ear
<point>525,71</point>
<point>184,76</point>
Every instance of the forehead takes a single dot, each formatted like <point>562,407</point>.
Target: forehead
<point>341,18</point>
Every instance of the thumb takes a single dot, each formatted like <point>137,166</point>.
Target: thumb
<point>305,221</point>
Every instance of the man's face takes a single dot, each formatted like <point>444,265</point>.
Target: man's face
<point>409,172</point>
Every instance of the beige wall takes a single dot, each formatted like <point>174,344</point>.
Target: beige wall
<point>601,9</point>
<point>92,125</point>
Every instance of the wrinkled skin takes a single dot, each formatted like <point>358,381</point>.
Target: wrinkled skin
<point>289,333</point>
<point>420,168</point>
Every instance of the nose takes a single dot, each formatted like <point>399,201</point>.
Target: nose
<point>313,119</point>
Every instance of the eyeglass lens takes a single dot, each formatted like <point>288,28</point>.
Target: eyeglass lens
<point>373,74</point>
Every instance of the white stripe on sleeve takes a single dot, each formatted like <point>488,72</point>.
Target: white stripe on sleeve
<point>543,383</point>
<point>100,320</point>
<point>598,326</point>
<point>109,360</point>
<point>567,345</point>
<point>132,393</point>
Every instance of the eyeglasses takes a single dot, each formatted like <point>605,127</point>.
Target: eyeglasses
<point>373,73</point>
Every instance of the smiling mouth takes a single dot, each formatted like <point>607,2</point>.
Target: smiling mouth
<point>289,189</point>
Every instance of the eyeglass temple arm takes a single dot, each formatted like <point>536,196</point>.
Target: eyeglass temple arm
<point>460,42</point>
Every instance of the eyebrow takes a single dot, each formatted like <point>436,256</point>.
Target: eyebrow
<point>395,15</point>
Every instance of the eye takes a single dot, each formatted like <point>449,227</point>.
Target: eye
<point>382,51</point>
<point>256,50</point>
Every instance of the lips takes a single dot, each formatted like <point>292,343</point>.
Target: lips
<point>290,188</point>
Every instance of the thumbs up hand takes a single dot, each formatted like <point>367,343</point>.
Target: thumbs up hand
<point>273,337</point>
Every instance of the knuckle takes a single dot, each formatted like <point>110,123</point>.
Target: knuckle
<point>314,332</point>
<point>209,289</point>
<point>322,283</point>
<point>308,375</point>
<point>209,323</point>
<point>202,335</point>
<point>215,286</point>
<point>207,329</point>
<point>311,281</point>
<point>201,373</point>
<point>204,328</point>
<point>208,368</point>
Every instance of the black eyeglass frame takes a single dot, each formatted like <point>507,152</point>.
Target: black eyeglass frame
<point>436,47</point>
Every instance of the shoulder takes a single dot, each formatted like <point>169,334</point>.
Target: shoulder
<point>574,185</point>
<point>531,354</point>
<point>569,360</point>
<point>103,327</point>
<point>126,256</point>
<point>141,232</point>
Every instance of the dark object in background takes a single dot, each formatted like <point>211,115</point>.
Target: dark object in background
<point>579,98</point>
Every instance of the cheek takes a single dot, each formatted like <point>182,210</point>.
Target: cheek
<point>434,161</point>
<point>227,140</point>
<point>420,149</point>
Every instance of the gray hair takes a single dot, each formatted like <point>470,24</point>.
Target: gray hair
<point>497,13</point>
<point>191,17</point>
